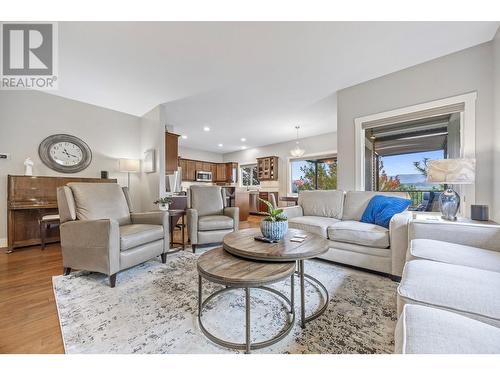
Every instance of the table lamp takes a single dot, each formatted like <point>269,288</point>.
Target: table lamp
<point>129,166</point>
<point>450,172</point>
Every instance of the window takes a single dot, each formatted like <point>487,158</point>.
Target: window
<point>314,174</point>
<point>397,156</point>
<point>249,175</point>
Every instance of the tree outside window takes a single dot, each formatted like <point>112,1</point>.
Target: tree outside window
<point>249,175</point>
<point>314,174</point>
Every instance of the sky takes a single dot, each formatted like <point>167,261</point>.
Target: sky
<point>403,164</point>
<point>296,173</point>
<point>393,165</point>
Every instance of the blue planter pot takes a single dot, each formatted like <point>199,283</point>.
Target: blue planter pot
<point>274,230</point>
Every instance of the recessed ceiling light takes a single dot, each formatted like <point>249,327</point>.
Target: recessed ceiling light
<point>206,128</point>
<point>184,136</point>
<point>220,145</point>
<point>243,139</point>
<point>243,147</point>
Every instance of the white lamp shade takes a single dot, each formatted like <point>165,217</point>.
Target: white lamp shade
<point>451,171</point>
<point>129,165</point>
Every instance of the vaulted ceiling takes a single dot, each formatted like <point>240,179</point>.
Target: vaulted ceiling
<point>253,80</point>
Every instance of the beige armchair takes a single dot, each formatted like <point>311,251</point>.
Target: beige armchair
<point>208,221</point>
<point>100,234</point>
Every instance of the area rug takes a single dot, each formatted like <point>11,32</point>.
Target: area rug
<point>153,309</point>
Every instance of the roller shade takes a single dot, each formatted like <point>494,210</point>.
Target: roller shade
<point>439,111</point>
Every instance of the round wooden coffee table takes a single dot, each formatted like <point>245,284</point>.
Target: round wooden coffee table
<point>242,244</point>
<point>218,266</point>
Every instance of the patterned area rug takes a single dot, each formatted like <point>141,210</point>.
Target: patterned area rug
<point>153,309</point>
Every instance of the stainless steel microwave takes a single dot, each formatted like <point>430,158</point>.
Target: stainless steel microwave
<point>203,176</point>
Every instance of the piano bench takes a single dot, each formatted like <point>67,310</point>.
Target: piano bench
<point>45,222</point>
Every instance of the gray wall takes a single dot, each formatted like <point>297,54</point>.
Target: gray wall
<point>27,117</point>
<point>496,82</point>
<point>191,153</point>
<point>462,72</point>
<point>313,145</point>
<point>152,136</point>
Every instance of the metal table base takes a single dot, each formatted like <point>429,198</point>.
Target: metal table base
<point>321,309</point>
<point>247,346</point>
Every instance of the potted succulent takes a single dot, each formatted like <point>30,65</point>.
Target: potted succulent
<point>163,203</point>
<point>275,224</point>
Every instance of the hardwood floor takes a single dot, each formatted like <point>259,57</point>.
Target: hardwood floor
<point>28,314</point>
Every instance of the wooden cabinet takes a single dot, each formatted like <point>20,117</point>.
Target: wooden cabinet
<point>267,168</point>
<point>221,173</point>
<point>207,167</point>
<point>171,152</point>
<point>266,196</point>
<point>213,169</point>
<point>190,173</point>
<point>232,173</point>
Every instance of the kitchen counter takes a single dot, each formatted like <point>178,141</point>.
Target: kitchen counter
<point>242,200</point>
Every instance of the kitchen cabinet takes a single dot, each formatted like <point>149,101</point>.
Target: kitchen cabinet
<point>221,173</point>
<point>190,172</point>
<point>267,168</point>
<point>171,152</point>
<point>231,173</point>
<point>207,167</point>
<point>213,169</point>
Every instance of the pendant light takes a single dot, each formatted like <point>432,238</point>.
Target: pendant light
<point>297,152</point>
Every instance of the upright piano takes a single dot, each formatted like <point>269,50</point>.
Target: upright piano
<point>28,199</point>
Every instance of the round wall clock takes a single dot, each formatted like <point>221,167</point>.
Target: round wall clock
<point>65,153</point>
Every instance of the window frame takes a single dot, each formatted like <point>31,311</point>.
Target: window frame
<point>252,166</point>
<point>316,156</point>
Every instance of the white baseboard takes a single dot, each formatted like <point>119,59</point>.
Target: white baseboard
<point>3,242</point>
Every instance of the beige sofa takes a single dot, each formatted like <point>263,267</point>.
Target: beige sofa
<point>448,298</point>
<point>336,216</point>
<point>100,234</point>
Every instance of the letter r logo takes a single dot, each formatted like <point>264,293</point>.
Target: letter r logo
<point>27,49</point>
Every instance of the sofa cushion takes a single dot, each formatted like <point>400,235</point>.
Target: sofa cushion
<point>138,234</point>
<point>356,202</point>
<point>447,252</point>
<point>313,224</point>
<point>424,330</point>
<point>94,201</point>
<point>326,203</point>
<point>359,233</point>
<point>215,222</point>
<point>381,209</point>
<point>464,290</point>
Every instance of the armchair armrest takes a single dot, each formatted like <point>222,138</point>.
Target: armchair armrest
<point>192,225</point>
<point>398,234</point>
<point>93,245</point>
<point>154,218</point>
<point>234,213</point>
<point>292,211</point>
<point>484,236</point>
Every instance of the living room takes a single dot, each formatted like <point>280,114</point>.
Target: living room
<point>250,187</point>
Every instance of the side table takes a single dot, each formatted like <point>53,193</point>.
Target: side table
<point>173,217</point>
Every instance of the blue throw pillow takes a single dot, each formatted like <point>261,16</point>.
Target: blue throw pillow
<point>375,206</point>
<point>381,209</point>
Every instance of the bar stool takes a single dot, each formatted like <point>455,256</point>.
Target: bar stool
<point>45,222</point>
